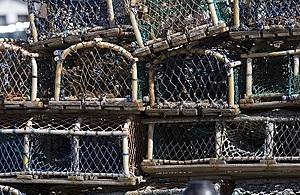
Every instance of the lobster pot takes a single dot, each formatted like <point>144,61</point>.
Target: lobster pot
<point>273,77</point>
<point>243,141</point>
<point>259,13</point>
<point>46,78</point>
<point>157,19</point>
<point>286,141</point>
<point>15,73</point>
<point>70,144</point>
<point>184,142</point>
<point>196,78</point>
<point>95,73</point>
<point>58,18</point>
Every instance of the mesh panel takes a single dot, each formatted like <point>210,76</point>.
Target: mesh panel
<point>158,18</point>
<point>273,75</point>
<point>65,154</point>
<point>184,142</point>
<point>15,75</point>
<point>46,78</point>
<point>96,73</point>
<point>137,146</point>
<point>287,140</point>
<point>66,16</point>
<point>243,140</point>
<point>192,77</point>
<point>259,13</point>
<point>11,150</point>
<point>101,154</point>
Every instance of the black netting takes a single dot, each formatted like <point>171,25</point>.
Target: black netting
<point>96,73</point>
<point>184,142</point>
<point>192,77</point>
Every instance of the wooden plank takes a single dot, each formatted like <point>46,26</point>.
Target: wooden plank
<point>162,112</point>
<point>72,39</point>
<point>76,178</point>
<point>22,104</point>
<point>270,105</point>
<point>141,109</point>
<point>213,30</point>
<point>238,35</point>
<point>25,177</point>
<point>65,105</point>
<point>122,104</point>
<point>179,40</point>
<point>65,181</point>
<point>160,46</point>
<point>196,35</point>
<point>55,42</point>
<point>91,105</point>
<point>144,51</point>
<point>190,111</point>
<point>220,112</point>
<point>114,32</point>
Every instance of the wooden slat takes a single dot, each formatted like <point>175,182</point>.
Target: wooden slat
<point>22,104</point>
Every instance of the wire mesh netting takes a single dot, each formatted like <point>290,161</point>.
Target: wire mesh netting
<point>244,140</point>
<point>46,78</point>
<point>63,17</point>
<point>157,19</point>
<point>11,147</point>
<point>286,141</point>
<point>274,75</point>
<point>96,73</point>
<point>15,75</point>
<point>184,142</point>
<point>63,154</point>
<point>137,147</point>
<point>260,13</point>
<point>192,77</point>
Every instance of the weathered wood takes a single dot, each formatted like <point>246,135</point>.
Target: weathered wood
<point>65,105</point>
<point>270,105</point>
<point>54,42</point>
<point>252,170</point>
<point>178,40</point>
<point>22,104</point>
<point>241,35</point>
<point>160,46</point>
<point>190,111</point>
<point>91,105</point>
<point>73,39</point>
<point>196,35</point>
<point>213,30</point>
<point>144,51</point>
<point>122,104</point>
<point>25,177</point>
<point>162,112</point>
<point>220,112</point>
<point>76,178</point>
<point>114,32</point>
<point>65,181</point>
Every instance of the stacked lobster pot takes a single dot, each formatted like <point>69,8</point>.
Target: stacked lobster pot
<point>112,93</point>
<point>69,108</point>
